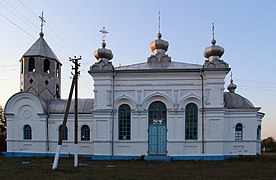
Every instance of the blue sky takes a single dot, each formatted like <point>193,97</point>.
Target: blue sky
<point>245,29</point>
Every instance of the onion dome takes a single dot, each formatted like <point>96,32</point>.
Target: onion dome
<point>103,53</point>
<point>232,87</point>
<point>213,50</point>
<point>233,100</point>
<point>159,45</point>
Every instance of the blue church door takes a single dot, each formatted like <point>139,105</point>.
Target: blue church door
<point>157,132</point>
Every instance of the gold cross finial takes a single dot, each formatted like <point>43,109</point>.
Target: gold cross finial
<point>42,24</point>
<point>104,32</point>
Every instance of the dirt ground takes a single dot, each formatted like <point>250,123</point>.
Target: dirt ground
<point>261,167</point>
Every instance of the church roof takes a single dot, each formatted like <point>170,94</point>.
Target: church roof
<point>42,49</point>
<point>159,66</point>
<point>236,101</point>
<point>58,106</point>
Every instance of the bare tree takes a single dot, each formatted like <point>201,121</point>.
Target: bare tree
<point>3,130</point>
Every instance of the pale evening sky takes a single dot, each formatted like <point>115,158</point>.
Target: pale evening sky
<point>245,29</point>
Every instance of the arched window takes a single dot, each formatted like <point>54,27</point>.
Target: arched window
<point>85,133</point>
<point>21,66</point>
<point>57,91</point>
<point>124,122</point>
<point>157,113</point>
<point>191,122</point>
<point>27,132</point>
<point>57,70</point>
<point>47,66</point>
<point>259,133</point>
<point>31,64</point>
<point>65,135</point>
<point>238,131</point>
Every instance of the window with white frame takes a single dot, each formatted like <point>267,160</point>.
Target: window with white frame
<point>27,132</point>
<point>65,134</point>
<point>238,131</point>
<point>124,122</point>
<point>191,122</point>
<point>85,133</point>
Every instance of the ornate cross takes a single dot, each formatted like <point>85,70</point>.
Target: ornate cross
<point>213,30</point>
<point>159,23</point>
<point>42,22</point>
<point>104,32</point>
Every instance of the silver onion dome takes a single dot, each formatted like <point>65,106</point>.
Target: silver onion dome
<point>103,53</point>
<point>159,45</point>
<point>213,50</point>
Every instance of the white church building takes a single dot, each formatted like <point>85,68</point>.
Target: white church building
<point>158,108</point>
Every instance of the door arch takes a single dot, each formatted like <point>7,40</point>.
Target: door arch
<point>157,132</point>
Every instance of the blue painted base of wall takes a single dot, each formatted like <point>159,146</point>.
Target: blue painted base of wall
<point>25,154</point>
<point>208,158</point>
<point>162,158</point>
<point>158,158</point>
<point>107,157</point>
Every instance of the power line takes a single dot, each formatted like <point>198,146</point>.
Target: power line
<point>16,25</point>
<point>9,69</point>
<point>34,26</point>
<point>2,79</point>
<point>27,8</point>
<point>68,45</point>
<point>62,39</point>
<point>16,15</point>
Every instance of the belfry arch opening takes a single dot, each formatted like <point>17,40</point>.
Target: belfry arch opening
<point>31,64</point>
<point>46,66</point>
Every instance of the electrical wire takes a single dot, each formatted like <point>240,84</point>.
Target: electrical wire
<point>16,25</point>
<point>62,50</point>
<point>56,34</point>
<point>34,26</point>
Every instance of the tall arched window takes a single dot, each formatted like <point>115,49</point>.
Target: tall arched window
<point>157,113</point>
<point>85,133</point>
<point>259,133</point>
<point>46,65</point>
<point>27,132</point>
<point>191,122</point>
<point>124,122</point>
<point>31,64</point>
<point>238,131</point>
<point>65,135</point>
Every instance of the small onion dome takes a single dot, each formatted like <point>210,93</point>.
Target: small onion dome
<point>159,43</point>
<point>103,53</point>
<point>232,87</point>
<point>213,50</point>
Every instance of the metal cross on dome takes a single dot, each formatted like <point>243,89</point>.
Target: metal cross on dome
<point>104,32</point>
<point>159,22</point>
<point>42,22</point>
<point>213,30</point>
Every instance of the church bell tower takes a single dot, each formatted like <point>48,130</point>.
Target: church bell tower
<point>40,70</point>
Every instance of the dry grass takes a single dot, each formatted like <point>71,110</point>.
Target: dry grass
<point>262,167</point>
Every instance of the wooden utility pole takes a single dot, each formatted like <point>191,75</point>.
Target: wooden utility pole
<point>76,76</point>
<point>74,84</point>
<point>55,164</point>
